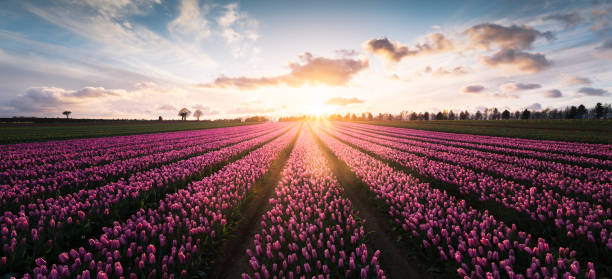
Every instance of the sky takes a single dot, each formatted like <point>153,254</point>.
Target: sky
<point>150,58</point>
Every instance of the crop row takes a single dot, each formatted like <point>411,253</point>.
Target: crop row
<point>36,165</point>
<point>594,183</point>
<point>172,239</point>
<point>582,153</point>
<point>76,179</point>
<point>577,218</point>
<point>452,234</point>
<point>57,221</point>
<point>90,145</point>
<point>311,230</point>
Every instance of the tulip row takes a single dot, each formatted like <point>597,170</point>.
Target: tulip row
<point>594,186</point>
<point>46,150</point>
<point>172,239</point>
<point>310,231</point>
<point>57,221</point>
<point>595,154</point>
<point>15,170</point>
<point>68,181</point>
<point>507,155</point>
<point>453,235</point>
<point>576,218</point>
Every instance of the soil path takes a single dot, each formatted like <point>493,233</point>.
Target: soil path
<point>231,260</point>
<point>395,261</point>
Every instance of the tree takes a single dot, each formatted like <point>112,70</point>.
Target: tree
<point>572,113</point>
<point>370,116</point>
<point>581,111</point>
<point>526,114</point>
<point>184,113</point>
<point>478,115</point>
<point>160,118</point>
<point>197,114</point>
<point>67,113</point>
<point>599,111</point>
<point>495,114</point>
<point>413,116</point>
<point>439,116</point>
<point>505,114</point>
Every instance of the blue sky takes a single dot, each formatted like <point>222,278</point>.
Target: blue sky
<point>144,58</point>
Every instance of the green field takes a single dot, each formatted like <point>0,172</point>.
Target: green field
<point>14,133</point>
<point>592,131</point>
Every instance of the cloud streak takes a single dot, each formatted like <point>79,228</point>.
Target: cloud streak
<point>590,91</point>
<point>312,71</point>
<point>553,93</point>
<point>576,80</point>
<point>340,101</point>
<point>442,72</point>
<point>50,99</point>
<point>513,87</point>
<point>569,20</point>
<point>474,89</point>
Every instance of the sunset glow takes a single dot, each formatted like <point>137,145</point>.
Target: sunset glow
<point>149,58</point>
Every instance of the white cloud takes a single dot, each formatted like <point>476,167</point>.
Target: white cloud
<point>190,23</point>
<point>128,46</point>
<point>49,99</point>
<point>237,29</point>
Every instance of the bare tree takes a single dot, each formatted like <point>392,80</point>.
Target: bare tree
<point>67,113</point>
<point>198,113</point>
<point>184,113</point>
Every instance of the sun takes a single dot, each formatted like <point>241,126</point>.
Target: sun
<point>318,110</point>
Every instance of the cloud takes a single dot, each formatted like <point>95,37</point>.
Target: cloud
<point>553,93</point>
<point>513,87</point>
<point>601,20</point>
<point>534,106</point>
<point>590,91</point>
<point>251,110</point>
<point>394,51</point>
<point>115,8</point>
<point>512,37</point>
<point>50,99</point>
<point>605,50</point>
<point>312,70</point>
<point>568,19</point>
<point>505,95</point>
<point>441,72</point>
<point>476,89</point>
<point>576,80</point>
<point>167,107</point>
<point>339,101</point>
<point>237,28</point>
<point>346,52</point>
<point>146,85</point>
<point>518,60</point>
<point>606,45</point>
<point>111,39</point>
<point>190,22</point>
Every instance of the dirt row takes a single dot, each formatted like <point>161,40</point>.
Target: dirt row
<point>396,261</point>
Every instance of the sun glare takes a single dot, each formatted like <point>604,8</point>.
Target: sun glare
<point>318,110</point>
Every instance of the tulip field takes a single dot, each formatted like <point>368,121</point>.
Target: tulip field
<point>166,205</point>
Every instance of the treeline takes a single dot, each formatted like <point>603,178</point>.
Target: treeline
<point>599,111</point>
<point>59,120</point>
